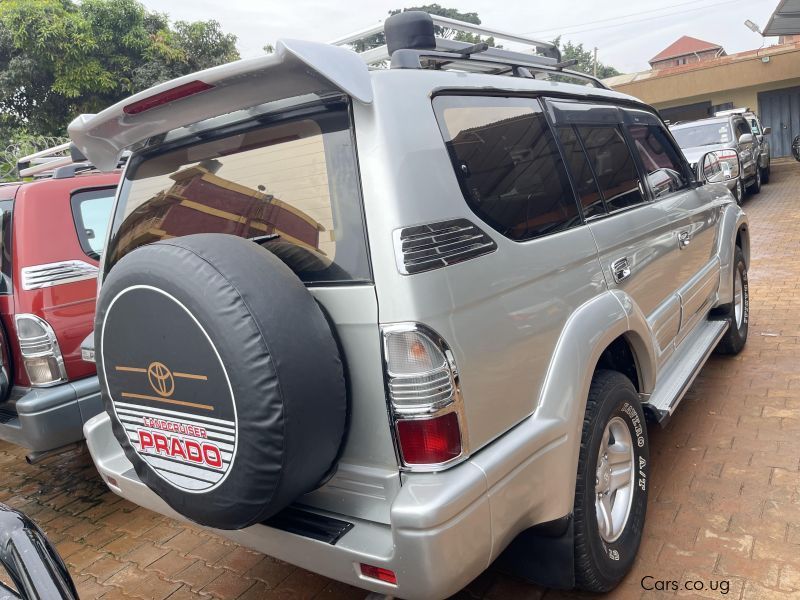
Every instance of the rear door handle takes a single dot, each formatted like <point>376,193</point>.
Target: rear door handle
<point>621,269</point>
<point>684,239</point>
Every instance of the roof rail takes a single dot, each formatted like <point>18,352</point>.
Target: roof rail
<point>405,49</point>
<point>55,163</point>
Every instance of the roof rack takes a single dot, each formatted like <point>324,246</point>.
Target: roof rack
<point>411,44</point>
<point>54,163</point>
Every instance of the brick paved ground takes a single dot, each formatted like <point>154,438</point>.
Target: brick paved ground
<point>724,496</point>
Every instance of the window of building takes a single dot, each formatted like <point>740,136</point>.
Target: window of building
<point>508,164</point>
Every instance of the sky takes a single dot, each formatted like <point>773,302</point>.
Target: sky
<point>626,33</point>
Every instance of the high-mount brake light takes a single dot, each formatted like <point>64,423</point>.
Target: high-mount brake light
<point>176,93</point>
<point>424,397</point>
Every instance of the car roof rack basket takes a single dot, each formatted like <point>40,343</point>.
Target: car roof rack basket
<point>410,43</point>
<point>59,162</point>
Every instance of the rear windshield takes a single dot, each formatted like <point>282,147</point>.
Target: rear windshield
<point>291,186</point>
<point>708,134</point>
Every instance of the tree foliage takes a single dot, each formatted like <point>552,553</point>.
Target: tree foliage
<point>585,58</point>
<point>59,58</point>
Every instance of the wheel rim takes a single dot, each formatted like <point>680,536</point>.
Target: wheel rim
<point>738,299</point>
<point>758,178</point>
<point>614,480</point>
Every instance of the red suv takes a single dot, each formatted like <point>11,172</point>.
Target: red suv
<point>53,229</point>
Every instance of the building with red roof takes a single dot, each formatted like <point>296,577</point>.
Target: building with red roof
<point>686,50</point>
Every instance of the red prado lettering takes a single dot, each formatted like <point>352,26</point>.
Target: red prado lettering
<point>145,439</point>
<point>212,456</point>
<point>204,453</point>
<point>176,449</point>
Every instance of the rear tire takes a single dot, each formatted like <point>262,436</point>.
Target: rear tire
<point>738,311</point>
<point>611,487</point>
<point>756,187</point>
<point>738,191</point>
<point>765,174</point>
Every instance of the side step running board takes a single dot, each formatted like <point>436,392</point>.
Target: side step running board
<point>679,373</point>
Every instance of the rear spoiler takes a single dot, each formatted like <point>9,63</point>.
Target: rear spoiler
<point>294,69</point>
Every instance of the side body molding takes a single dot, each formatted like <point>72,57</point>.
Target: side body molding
<point>295,68</point>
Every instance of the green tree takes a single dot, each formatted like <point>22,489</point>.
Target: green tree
<point>59,58</point>
<point>444,32</point>
<point>585,58</point>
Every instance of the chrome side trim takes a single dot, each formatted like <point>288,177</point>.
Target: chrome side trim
<point>57,273</point>
<point>435,245</point>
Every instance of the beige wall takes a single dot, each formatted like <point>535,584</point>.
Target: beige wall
<point>741,97</point>
<point>722,80</point>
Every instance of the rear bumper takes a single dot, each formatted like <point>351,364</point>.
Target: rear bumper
<point>446,528</point>
<point>48,418</point>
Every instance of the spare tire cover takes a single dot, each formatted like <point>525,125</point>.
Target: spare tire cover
<point>221,376</point>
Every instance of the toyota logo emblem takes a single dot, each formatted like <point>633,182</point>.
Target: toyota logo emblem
<point>160,378</point>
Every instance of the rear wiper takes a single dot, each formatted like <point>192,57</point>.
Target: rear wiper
<point>260,239</point>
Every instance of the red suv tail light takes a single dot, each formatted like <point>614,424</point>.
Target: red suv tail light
<point>424,398</point>
<point>429,441</point>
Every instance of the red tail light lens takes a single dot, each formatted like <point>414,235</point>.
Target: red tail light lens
<point>429,441</point>
<point>176,93</point>
<point>379,573</point>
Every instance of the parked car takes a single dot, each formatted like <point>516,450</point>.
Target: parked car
<point>53,229</point>
<point>732,131</point>
<point>761,133</point>
<point>383,323</point>
<point>31,564</point>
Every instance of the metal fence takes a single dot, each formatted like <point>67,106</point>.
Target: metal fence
<point>22,147</point>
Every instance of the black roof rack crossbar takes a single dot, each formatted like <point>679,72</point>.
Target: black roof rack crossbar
<point>426,51</point>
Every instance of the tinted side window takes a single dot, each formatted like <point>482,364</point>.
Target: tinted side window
<point>507,162</point>
<point>6,210</point>
<point>613,165</point>
<point>741,129</point>
<point>665,171</point>
<point>91,211</point>
<point>585,183</point>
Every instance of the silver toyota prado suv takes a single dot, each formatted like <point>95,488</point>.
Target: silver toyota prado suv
<point>395,324</point>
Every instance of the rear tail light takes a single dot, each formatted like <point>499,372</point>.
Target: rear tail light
<point>379,573</point>
<point>40,352</point>
<point>429,441</point>
<point>424,398</point>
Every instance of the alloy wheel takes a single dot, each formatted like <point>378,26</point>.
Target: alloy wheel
<point>614,479</point>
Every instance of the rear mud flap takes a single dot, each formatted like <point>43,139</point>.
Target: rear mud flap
<point>544,554</point>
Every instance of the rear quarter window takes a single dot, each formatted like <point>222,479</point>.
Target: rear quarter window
<point>291,187</point>
<point>91,211</point>
<point>508,164</point>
